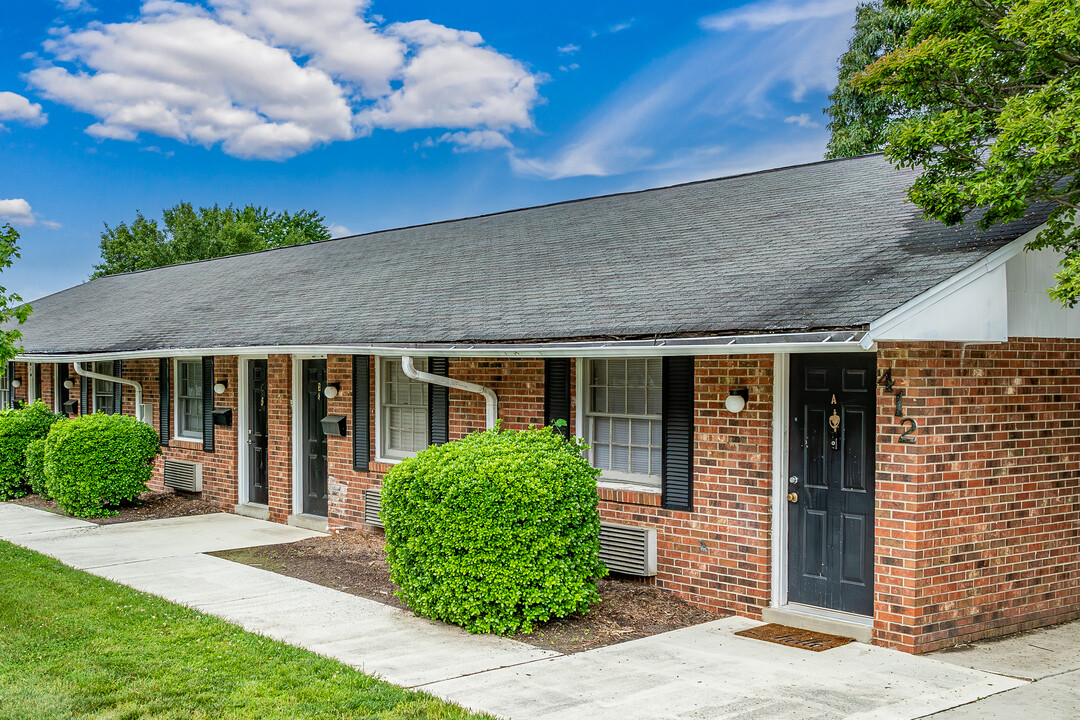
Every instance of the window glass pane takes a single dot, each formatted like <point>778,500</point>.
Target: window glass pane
<point>599,399</point>
<point>189,398</point>
<point>624,426</point>
<point>404,413</point>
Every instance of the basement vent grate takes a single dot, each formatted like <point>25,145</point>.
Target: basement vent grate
<point>628,549</point>
<point>183,476</point>
<point>372,506</point>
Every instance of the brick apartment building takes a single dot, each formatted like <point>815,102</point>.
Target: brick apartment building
<point>827,410</point>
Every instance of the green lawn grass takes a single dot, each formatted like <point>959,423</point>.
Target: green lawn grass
<point>73,645</point>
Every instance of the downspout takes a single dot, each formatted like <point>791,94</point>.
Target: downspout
<point>492,399</point>
<point>83,372</point>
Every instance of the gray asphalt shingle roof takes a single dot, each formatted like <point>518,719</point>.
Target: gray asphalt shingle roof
<point>831,245</point>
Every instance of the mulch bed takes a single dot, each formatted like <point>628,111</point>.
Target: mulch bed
<point>151,505</point>
<point>355,562</point>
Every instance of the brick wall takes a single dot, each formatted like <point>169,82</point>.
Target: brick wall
<point>219,467</point>
<point>978,523</point>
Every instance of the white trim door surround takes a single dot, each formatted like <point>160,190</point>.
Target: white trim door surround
<point>781,381</point>
<point>296,401</point>
<point>243,423</point>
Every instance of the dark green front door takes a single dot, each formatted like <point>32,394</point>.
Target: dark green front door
<point>313,439</point>
<point>831,485</point>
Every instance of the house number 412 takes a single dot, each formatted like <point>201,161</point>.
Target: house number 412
<point>910,426</point>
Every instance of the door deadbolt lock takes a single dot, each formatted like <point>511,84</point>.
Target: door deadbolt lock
<point>793,480</point>
<point>793,497</point>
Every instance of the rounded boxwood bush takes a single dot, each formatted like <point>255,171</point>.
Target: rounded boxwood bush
<point>95,462</point>
<point>17,429</point>
<point>35,466</point>
<point>494,532</point>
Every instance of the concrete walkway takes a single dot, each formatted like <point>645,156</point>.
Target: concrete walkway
<point>699,672</point>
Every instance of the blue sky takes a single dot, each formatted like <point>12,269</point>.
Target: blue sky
<point>380,114</point>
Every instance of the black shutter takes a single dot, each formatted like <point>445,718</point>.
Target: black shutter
<point>84,393</point>
<point>208,404</point>
<point>118,389</point>
<point>164,401</point>
<point>438,403</point>
<point>361,412</point>
<point>677,490</point>
<point>39,370</point>
<point>557,393</point>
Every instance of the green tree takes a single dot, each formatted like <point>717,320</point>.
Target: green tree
<point>11,305</point>
<point>858,120</point>
<point>987,94</point>
<point>187,234</point>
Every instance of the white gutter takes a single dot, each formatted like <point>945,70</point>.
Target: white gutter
<point>83,372</point>
<point>492,399</point>
<point>815,342</point>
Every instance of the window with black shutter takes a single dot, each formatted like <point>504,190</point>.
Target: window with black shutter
<point>439,403</point>
<point>557,394</point>
<point>208,403</point>
<point>361,412</point>
<point>165,401</point>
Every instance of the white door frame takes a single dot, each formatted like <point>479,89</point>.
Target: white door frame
<point>243,424</point>
<point>297,402</point>
<point>781,390</point>
<point>31,382</point>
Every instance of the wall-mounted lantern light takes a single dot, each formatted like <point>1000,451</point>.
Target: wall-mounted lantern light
<point>331,390</point>
<point>219,386</point>
<point>16,383</point>
<point>68,384</point>
<point>736,400</point>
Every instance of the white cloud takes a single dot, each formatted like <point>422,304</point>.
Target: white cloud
<point>51,224</point>
<point>802,120</point>
<point>271,79</point>
<point>762,15</point>
<point>76,5</point>
<point>338,231</point>
<point>453,81</point>
<point>17,211</point>
<point>476,140</point>
<point>569,49</point>
<point>16,107</point>
<point>569,68</point>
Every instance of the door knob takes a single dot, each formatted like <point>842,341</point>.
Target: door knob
<point>793,497</point>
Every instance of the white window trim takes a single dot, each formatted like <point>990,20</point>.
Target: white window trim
<point>610,479</point>
<point>175,381</point>
<point>380,432</point>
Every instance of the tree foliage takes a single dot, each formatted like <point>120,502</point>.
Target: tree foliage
<point>858,120</point>
<point>187,234</point>
<point>11,305</point>
<point>985,99</point>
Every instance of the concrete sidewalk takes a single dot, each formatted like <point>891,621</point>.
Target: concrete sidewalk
<point>699,672</point>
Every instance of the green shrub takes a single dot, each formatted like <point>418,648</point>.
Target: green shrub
<point>35,466</point>
<point>17,429</point>
<point>494,532</point>
<point>95,462</point>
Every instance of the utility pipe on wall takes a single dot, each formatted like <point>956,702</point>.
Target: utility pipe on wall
<point>492,399</point>
<point>83,372</point>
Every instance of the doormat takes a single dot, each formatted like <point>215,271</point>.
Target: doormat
<point>794,637</point>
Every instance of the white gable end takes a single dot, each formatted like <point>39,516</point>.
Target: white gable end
<point>1002,296</point>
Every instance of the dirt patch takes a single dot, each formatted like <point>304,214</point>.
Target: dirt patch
<point>355,562</point>
<point>151,505</point>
